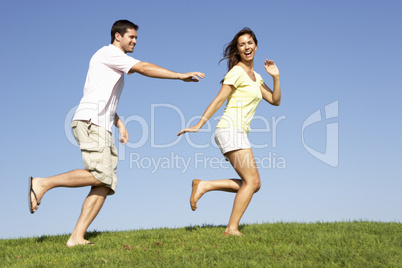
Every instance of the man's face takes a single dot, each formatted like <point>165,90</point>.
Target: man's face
<point>128,40</point>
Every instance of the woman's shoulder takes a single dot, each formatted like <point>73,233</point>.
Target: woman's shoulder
<point>233,75</point>
<point>235,71</point>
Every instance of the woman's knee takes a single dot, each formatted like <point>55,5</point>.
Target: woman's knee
<point>255,184</point>
<point>257,187</point>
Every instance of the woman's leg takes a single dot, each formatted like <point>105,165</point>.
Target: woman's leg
<point>201,187</point>
<point>245,166</point>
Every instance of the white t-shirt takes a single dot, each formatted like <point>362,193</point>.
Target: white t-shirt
<point>103,86</point>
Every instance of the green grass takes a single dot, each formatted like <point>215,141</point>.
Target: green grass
<point>339,244</point>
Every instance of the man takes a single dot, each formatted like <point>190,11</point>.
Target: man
<point>92,125</point>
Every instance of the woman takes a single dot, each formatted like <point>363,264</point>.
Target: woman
<point>243,89</point>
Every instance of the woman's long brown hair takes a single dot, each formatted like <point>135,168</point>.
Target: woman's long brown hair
<point>230,51</point>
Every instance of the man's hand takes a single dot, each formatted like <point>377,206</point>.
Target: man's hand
<point>122,129</point>
<point>123,134</point>
<point>191,76</point>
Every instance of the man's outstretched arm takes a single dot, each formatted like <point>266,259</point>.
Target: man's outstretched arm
<point>155,71</point>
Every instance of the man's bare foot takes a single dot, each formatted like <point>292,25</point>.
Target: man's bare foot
<point>233,233</point>
<point>196,193</point>
<point>72,243</point>
<point>36,194</point>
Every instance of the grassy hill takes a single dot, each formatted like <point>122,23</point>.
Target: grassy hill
<point>338,244</point>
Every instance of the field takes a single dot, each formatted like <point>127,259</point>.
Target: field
<point>337,244</point>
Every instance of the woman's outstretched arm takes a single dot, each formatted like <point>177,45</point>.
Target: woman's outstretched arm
<point>211,110</point>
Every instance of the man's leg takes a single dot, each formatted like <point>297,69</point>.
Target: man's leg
<point>74,178</point>
<point>92,205</point>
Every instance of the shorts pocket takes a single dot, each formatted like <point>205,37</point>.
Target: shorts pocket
<point>92,158</point>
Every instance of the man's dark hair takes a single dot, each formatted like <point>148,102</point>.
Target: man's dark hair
<point>121,27</point>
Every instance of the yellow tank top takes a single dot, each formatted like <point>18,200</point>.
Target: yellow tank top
<point>243,101</point>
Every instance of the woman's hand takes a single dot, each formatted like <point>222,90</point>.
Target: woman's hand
<point>190,129</point>
<point>271,68</point>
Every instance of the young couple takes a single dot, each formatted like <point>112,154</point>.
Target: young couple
<point>92,124</point>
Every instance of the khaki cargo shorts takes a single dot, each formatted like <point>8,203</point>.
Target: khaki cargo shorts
<point>99,152</point>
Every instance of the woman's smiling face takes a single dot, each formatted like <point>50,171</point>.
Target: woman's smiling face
<point>246,47</point>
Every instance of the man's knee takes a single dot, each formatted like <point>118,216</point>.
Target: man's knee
<point>102,190</point>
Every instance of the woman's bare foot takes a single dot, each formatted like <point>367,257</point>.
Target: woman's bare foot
<point>233,233</point>
<point>196,193</point>
<point>72,242</point>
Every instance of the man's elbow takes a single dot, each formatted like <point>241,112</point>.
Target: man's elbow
<point>140,67</point>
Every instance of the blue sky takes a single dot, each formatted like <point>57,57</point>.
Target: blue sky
<point>330,152</point>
